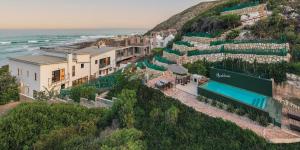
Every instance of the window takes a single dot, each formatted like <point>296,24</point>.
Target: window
<point>96,62</point>
<point>104,62</point>
<point>73,71</point>
<point>55,76</point>
<point>35,76</point>
<point>35,94</point>
<point>82,65</point>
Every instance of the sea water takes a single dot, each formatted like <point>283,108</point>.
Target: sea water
<point>27,42</point>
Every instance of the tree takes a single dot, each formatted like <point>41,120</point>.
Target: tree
<point>9,89</point>
<point>125,139</point>
<point>124,107</point>
<point>171,115</point>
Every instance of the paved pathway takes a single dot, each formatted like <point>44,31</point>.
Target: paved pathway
<point>5,108</point>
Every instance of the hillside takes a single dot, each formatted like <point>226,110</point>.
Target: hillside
<point>177,21</point>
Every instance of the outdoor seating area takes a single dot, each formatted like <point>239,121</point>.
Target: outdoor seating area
<point>164,84</point>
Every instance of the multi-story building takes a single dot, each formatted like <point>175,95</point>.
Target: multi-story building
<point>59,68</point>
<point>162,38</point>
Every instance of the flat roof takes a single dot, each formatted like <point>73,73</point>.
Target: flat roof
<point>94,50</point>
<point>39,59</point>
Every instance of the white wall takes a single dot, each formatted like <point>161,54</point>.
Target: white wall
<point>95,67</point>
<point>26,76</point>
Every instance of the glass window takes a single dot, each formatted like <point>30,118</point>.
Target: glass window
<point>82,65</point>
<point>73,71</point>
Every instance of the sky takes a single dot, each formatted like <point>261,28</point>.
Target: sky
<point>75,14</point>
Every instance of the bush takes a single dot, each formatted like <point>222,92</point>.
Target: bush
<point>214,103</point>
<point>233,34</point>
<point>23,126</point>
<point>241,111</point>
<point>206,100</point>
<point>83,92</point>
<point>9,89</point>
<point>230,108</point>
<point>262,120</point>
<point>220,105</point>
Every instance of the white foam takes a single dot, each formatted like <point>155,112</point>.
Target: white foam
<point>5,43</point>
<point>33,41</point>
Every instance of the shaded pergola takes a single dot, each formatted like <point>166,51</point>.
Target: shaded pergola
<point>182,74</point>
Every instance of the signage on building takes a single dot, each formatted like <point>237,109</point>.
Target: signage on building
<point>218,75</point>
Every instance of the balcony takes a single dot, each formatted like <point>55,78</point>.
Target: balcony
<point>58,83</point>
<point>103,66</point>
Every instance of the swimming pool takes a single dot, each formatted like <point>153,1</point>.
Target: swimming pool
<point>240,95</point>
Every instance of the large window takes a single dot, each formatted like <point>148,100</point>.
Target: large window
<point>104,62</point>
<point>55,76</point>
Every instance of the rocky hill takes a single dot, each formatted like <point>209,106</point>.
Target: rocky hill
<point>177,21</point>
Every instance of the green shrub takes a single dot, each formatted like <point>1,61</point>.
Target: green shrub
<point>230,108</point>
<point>23,126</point>
<point>241,111</point>
<point>262,120</point>
<point>9,89</point>
<point>220,105</point>
<point>83,92</point>
<point>214,103</point>
<point>233,34</point>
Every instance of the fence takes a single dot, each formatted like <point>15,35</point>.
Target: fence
<point>153,66</point>
<point>241,6</point>
<point>258,85</point>
<point>163,60</point>
<point>100,83</point>
<point>220,42</point>
<point>277,52</point>
<point>176,52</point>
<point>184,43</point>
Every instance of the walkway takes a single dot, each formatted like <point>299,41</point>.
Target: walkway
<point>271,133</point>
<point>5,108</point>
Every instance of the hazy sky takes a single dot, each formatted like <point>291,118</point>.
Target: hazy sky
<point>88,13</point>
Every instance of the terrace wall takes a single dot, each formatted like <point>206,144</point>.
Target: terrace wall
<point>259,8</point>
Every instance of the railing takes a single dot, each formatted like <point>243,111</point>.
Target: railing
<point>66,79</point>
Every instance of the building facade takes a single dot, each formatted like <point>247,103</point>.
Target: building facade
<point>60,68</point>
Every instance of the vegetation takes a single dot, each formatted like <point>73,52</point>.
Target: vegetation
<point>148,120</point>
<point>157,51</point>
<point>279,26</point>
<point>9,89</point>
<point>24,125</point>
<point>233,34</point>
<point>277,71</point>
<point>87,92</point>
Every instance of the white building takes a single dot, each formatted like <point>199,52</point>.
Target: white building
<point>60,68</point>
<point>160,42</point>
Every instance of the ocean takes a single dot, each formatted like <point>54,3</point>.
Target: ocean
<point>27,42</point>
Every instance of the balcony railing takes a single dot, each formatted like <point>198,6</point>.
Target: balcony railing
<point>52,84</point>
